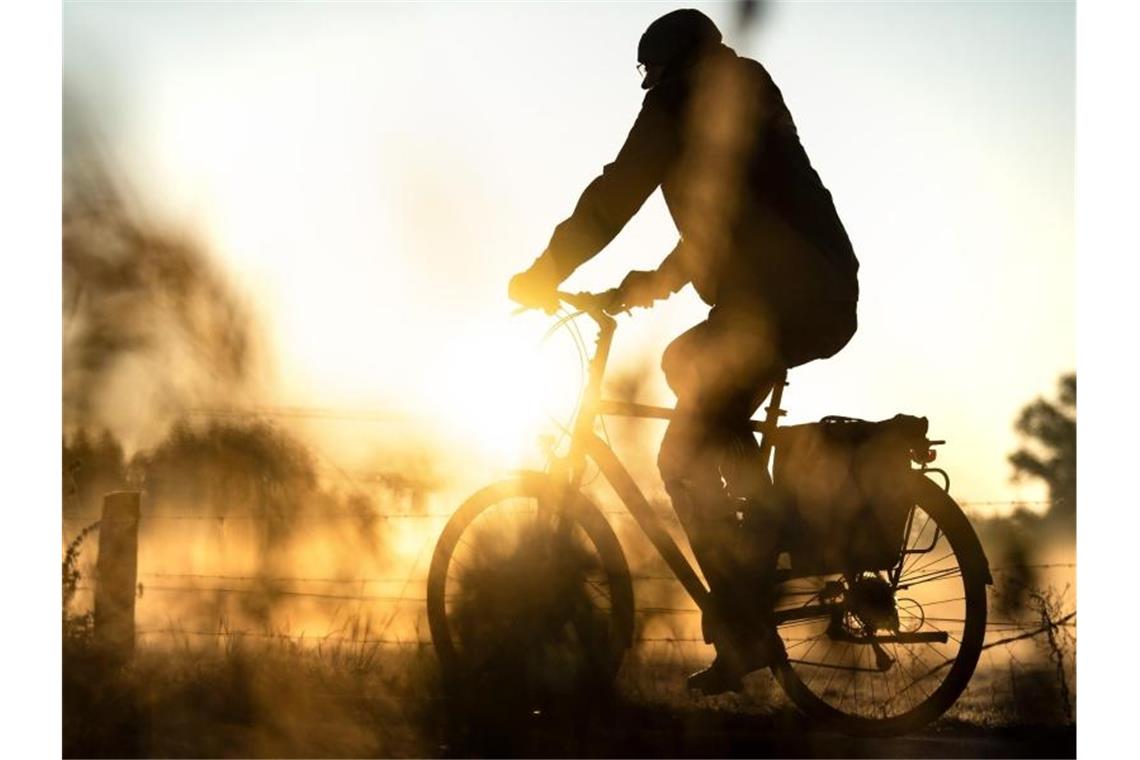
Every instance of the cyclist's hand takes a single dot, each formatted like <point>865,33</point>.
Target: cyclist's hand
<point>534,289</point>
<point>641,289</point>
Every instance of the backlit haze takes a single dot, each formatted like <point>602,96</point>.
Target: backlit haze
<point>370,175</point>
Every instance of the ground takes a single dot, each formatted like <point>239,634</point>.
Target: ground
<point>281,699</point>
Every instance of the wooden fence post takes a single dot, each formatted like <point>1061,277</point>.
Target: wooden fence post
<point>116,572</point>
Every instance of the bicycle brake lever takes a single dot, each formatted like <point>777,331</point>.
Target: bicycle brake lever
<point>614,305</point>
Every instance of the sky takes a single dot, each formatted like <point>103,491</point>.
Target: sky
<point>370,175</point>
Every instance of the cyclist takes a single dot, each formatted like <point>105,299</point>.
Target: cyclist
<point>762,244</point>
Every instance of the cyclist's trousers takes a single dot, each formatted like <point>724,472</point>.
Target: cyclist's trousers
<point>721,371</point>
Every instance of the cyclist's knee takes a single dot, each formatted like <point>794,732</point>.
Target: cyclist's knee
<point>670,463</point>
<point>678,452</point>
<point>671,368</point>
<point>680,365</point>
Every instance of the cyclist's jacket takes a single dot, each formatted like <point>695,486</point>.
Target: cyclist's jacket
<point>757,225</point>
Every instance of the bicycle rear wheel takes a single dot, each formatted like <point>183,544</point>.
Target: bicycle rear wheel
<point>868,653</point>
<point>529,598</point>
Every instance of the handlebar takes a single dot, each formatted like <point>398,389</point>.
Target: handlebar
<point>607,302</point>
<point>601,306</point>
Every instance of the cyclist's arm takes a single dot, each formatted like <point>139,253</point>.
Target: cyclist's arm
<point>671,273</point>
<point>612,198</point>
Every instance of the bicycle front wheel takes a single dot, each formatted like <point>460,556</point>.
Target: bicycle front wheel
<point>529,594</point>
<point>875,653</point>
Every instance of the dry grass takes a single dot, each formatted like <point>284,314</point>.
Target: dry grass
<point>264,698</point>
<point>356,693</point>
<point>274,696</point>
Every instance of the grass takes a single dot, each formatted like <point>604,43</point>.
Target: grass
<point>268,698</point>
<point>273,695</point>
<point>279,697</point>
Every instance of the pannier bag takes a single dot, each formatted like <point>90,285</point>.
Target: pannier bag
<point>846,483</point>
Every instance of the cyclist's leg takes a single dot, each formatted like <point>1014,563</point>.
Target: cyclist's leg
<point>811,332</point>
<point>720,370</point>
<point>688,462</point>
<point>708,516</point>
<point>715,369</point>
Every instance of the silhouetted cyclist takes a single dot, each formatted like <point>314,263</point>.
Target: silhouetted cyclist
<point>761,242</point>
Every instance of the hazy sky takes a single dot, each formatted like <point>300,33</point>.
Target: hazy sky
<point>372,174</point>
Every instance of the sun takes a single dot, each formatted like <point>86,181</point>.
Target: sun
<point>502,389</point>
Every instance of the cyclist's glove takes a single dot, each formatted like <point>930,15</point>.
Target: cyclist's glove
<point>641,288</point>
<point>536,287</point>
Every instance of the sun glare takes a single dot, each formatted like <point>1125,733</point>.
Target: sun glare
<point>500,389</point>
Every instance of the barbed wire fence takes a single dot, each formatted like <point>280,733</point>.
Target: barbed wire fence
<point>394,591</point>
<point>1003,631</point>
<point>336,470</point>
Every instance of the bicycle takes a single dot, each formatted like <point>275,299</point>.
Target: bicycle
<point>869,650</point>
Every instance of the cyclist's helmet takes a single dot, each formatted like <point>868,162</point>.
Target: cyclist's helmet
<point>673,42</point>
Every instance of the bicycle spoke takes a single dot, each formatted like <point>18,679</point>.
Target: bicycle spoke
<point>846,674</point>
<point>799,643</point>
<point>945,601</point>
<point>917,542</point>
<point>847,668</point>
<point>854,680</point>
<point>936,575</point>
<point>935,561</point>
<point>596,588</point>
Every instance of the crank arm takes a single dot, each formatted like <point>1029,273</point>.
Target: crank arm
<point>883,660</point>
<point>807,612</point>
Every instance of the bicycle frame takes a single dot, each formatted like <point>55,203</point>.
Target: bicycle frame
<point>586,445</point>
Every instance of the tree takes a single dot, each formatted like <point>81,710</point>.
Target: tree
<point>1051,450</point>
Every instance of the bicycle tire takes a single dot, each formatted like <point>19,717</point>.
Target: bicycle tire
<point>454,661</point>
<point>967,550</point>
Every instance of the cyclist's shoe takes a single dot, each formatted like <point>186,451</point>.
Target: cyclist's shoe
<point>727,671</point>
<point>716,678</point>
